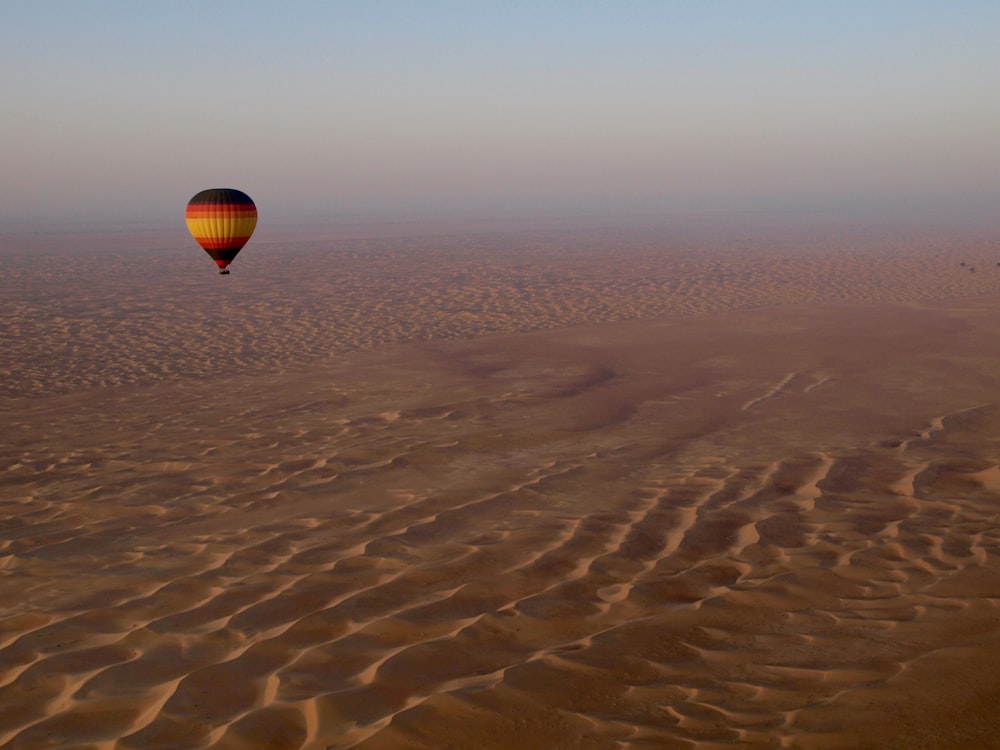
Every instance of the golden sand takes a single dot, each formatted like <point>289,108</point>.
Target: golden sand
<point>548,489</point>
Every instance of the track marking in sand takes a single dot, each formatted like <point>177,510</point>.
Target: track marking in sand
<point>820,380</point>
<point>781,385</point>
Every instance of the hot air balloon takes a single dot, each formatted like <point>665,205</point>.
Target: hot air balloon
<point>221,220</point>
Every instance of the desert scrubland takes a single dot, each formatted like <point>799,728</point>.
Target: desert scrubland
<point>556,488</point>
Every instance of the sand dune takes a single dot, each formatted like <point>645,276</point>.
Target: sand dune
<point>489,491</point>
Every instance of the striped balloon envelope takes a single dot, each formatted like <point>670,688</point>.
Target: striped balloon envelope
<point>221,220</point>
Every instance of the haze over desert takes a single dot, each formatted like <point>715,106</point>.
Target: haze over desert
<point>692,486</point>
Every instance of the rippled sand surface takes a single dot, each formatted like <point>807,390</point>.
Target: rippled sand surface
<point>547,489</point>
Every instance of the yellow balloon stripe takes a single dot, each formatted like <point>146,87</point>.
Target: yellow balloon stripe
<point>222,226</point>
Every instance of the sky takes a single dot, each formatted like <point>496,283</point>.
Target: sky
<point>381,109</point>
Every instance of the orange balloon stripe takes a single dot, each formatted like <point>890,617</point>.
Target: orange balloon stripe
<point>224,243</point>
<point>207,210</point>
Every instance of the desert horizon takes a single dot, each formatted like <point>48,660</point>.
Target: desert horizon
<point>548,487</point>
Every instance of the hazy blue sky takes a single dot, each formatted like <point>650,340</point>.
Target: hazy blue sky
<point>123,110</point>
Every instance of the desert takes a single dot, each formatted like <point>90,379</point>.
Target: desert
<point>686,486</point>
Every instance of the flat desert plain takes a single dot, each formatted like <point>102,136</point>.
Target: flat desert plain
<point>494,488</point>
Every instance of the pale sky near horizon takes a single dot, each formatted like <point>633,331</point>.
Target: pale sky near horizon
<point>121,110</point>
